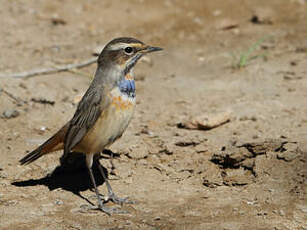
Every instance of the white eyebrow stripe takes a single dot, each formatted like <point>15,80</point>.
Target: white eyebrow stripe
<point>118,46</point>
<point>124,45</point>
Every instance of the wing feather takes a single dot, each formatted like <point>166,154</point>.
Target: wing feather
<point>86,115</point>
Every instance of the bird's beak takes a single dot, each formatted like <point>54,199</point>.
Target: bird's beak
<point>150,49</point>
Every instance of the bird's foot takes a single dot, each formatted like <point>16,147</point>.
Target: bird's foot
<point>109,211</point>
<point>117,200</point>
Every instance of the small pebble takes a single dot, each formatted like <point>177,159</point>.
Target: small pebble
<point>281,212</point>
<point>10,113</point>
<point>3,175</point>
<point>58,202</point>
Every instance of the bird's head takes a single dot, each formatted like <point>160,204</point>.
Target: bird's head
<point>123,53</point>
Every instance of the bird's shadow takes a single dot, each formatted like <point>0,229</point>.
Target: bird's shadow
<point>71,175</point>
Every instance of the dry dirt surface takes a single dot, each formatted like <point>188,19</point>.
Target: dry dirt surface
<point>219,136</point>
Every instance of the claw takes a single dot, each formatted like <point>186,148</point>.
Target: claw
<point>117,200</point>
<point>111,196</point>
<point>107,210</point>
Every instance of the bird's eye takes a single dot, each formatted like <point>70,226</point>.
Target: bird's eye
<point>128,50</point>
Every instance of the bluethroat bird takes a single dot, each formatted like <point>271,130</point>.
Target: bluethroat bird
<point>103,113</point>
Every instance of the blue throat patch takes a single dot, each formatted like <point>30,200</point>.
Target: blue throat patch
<point>127,87</point>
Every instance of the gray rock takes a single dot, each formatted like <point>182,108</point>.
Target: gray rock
<point>58,202</point>
<point>10,113</point>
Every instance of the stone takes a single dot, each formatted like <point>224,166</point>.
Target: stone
<point>231,156</point>
<point>206,121</point>
<point>289,153</point>
<point>237,177</point>
<point>10,113</point>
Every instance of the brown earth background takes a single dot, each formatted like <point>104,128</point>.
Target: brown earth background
<point>249,173</point>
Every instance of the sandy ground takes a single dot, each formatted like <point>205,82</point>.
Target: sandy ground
<point>249,173</point>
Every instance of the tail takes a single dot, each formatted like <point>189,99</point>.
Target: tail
<point>52,144</point>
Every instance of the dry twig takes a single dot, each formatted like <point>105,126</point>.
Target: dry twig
<point>56,69</point>
<point>16,99</point>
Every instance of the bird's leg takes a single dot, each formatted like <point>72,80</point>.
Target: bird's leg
<point>109,211</point>
<point>112,165</point>
<point>111,194</point>
<point>63,159</point>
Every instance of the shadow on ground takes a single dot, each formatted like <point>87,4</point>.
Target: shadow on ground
<point>72,175</point>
